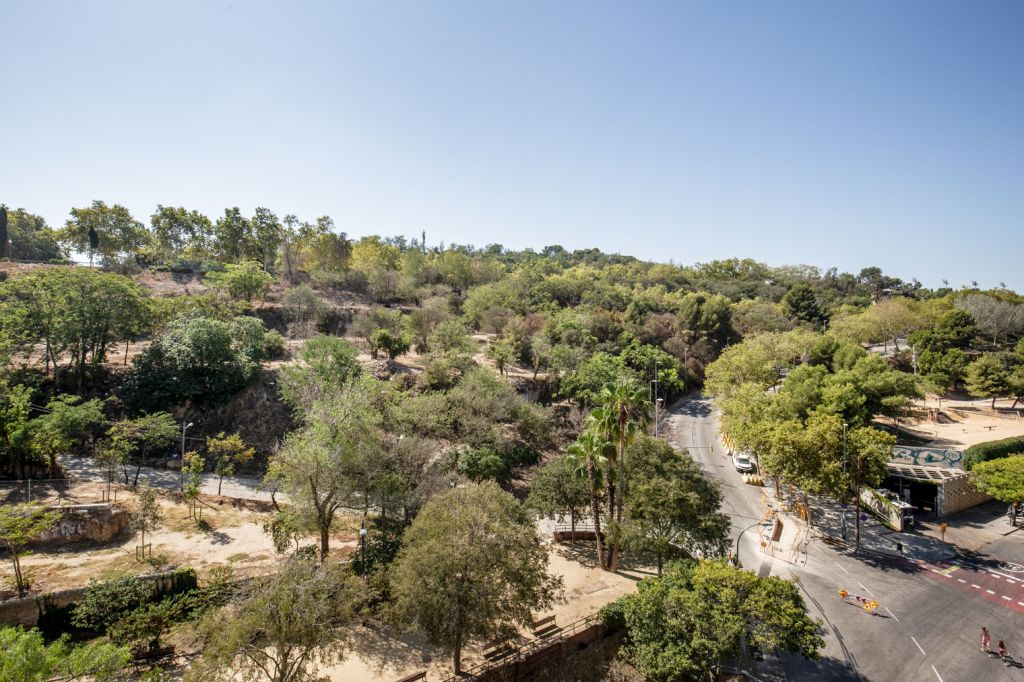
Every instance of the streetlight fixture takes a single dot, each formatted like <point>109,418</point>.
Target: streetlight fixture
<point>184,428</point>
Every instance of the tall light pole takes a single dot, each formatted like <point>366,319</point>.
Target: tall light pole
<point>845,425</point>
<point>655,397</point>
<point>184,427</point>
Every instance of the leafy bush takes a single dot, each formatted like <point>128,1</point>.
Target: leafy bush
<point>613,615</point>
<point>244,281</point>
<point>993,449</point>
<point>195,359</point>
<point>273,344</point>
<point>105,603</point>
<point>302,304</point>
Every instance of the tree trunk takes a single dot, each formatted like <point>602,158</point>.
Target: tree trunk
<point>595,512</point>
<point>572,526</point>
<point>457,660</point>
<point>325,541</point>
<point>659,563</point>
<point>220,483</point>
<point>993,403</point>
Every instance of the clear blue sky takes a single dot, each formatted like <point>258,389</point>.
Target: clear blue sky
<point>845,134</point>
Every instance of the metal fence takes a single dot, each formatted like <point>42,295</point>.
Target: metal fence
<point>55,491</point>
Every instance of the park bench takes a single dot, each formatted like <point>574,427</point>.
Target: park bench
<point>545,627</point>
<point>421,675</point>
<point>498,649</point>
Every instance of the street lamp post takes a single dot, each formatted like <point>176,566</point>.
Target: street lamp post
<point>843,506</point>
<point>184,428</point>
<point>736,556</point>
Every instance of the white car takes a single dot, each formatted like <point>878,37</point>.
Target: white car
<point>743,462</point>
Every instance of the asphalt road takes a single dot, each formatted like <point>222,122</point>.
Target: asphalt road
<point>928,626</point>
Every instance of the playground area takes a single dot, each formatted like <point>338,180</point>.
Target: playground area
<point>959,424</point>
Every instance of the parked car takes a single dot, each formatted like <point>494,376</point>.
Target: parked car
<point>743,462</point>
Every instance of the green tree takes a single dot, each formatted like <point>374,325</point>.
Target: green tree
<point>503,352</point>
<point>19,524</point>
<point>232,236</point>
<point>68,423</point>
<point>689,622</point>
<point>589,454</point>
<point>623,413</point>
<point>26,657</point>
<point>244,281</point>
<point>267,235</point>
<point>192,467</point>
<point>120,235</point>
<point>557,490</point>
<point>145,516</point>
<point>391,343</point>
<point>142,436</point>
<point>288,624</point>
<point>988,377</point>
<point>179,233</point>
<point>672,507</point>
<point>801,303</point>
<point>324,364</point>
<point>471,567</point>
<point>227,453</point>
<point>303,305</point>
<point>320,466</point>
<point>16,452</point>
<point>1003,479</point>
<point>74,312</point>
<point>198,358</point>
<point>30,238</point>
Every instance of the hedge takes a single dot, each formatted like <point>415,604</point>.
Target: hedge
<point>993,449</point>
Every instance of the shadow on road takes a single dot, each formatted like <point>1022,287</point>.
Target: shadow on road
<point>798,668</point>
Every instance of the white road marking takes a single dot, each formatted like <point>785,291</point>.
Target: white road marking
<point>865,589</point>
<point>892,614</point>
<point>840,567</point>
<point>918,646</point>
<point>937,674</point>
<point>961,580</point>
<point>1021,603</point>
<point>977,587</point>
<point>1006,598</point>
<point>989,591</point>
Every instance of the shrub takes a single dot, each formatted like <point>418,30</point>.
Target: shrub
<point>302,304</point>
<point>993,449</point>
<point>613,615</point>
<point>106,603</point>
<point>273,344</point>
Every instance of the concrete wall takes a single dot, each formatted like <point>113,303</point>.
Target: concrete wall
<point>959,494</point>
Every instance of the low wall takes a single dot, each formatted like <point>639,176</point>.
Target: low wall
<point>26,611</point>
<point>85,522</point>
<point>958,494</point>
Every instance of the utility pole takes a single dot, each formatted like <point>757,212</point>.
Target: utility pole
<point>858,501</point>
<point>844,479</point>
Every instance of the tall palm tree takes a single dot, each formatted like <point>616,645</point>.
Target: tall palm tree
<point>589,453</point>
<point>623,412</point>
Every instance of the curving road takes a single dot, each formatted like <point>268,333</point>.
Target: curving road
<point>929,623</point>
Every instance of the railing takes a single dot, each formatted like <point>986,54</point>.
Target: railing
<point>524,651</point>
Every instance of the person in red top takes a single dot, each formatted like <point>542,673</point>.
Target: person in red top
<point>1002,650</point>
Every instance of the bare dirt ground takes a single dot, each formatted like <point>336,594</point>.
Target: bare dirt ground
<point>958,424</point>
<point>227,535</point>
<point>381,654</point>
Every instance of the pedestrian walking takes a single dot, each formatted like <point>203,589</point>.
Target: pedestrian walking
<point>985,639</point>
<point>1002,651</point>
<point>899,548</point>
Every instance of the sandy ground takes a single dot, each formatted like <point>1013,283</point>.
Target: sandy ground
<point>962,423</point>
<point>380,654</point>
<point>227,536</point>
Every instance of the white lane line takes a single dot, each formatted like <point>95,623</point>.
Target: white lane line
<point>977,587</point>
<point>1020,603</point>
<point>840,567</point>
<point>918,646</point>
<point>892,614</point>
<point>961,580</point>
<point>1005,597</point>
<point>937,674</point>
<point>865,589</point>
<point>990,591</point>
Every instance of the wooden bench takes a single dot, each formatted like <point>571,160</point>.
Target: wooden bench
<point>545,627</point>
<point>421,675</point>
<point>498,649</point>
